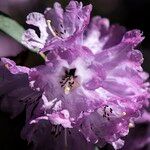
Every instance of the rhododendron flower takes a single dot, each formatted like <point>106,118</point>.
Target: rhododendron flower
<point>92,85</point>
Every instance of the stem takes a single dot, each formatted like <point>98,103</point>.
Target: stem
<point>65,138</point>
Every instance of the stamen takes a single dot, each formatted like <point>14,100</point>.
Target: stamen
<point>68,81</point>
<point>69,131</point>
<point>65,139</point>
<point>51,29</point>
<point>56,130</point>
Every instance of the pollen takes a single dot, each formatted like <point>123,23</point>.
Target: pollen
<point>67,90</point>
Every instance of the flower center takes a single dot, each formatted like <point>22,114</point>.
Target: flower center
<point>69,81</point>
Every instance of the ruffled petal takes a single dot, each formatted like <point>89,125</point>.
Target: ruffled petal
<point>100,35</point>
<point>133,38</point>
<point>58,118</point>
<point>13,68</point>
<point>118,144</point>
<point>30,39</point>
<point>77,16</point>
<point>15,92</point>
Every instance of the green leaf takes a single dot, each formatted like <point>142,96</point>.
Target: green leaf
<point>13,29</point>
<point>96,148</point>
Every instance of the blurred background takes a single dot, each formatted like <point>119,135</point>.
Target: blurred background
<point>133,14</point>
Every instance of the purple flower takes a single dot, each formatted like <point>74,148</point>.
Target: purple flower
<point>95,94</point>
<point>92,85</point>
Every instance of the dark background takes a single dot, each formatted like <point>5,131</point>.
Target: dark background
<point>133,14</point>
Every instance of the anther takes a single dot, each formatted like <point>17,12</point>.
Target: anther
<point>61,25</point>
<point>68,80</point>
